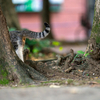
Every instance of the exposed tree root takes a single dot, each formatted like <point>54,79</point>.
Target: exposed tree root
<point>32,73</point>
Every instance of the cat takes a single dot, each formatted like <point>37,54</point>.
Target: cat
<point>18,38</point>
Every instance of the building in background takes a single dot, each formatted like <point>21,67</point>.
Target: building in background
<point>65,17</point>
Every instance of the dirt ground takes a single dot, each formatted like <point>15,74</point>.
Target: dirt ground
<point>80,68</point>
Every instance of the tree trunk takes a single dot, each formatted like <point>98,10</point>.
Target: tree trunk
<point>96,22</point>
<point>45,15</point>
<point>10,14</point>
<point>95,36</point>
<point>11,67</point>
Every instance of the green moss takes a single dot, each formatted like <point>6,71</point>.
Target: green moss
<point>53,81</point>
<point>3,76</point>
<point>96,27</point>
<point>70,81</point>
<point>4,81</point>
<point>98,81</point>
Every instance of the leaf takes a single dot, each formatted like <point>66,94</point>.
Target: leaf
<point>55,43</point>
<point>60,48</point>
<point>35,50</point>
<point>80,52</point>
<point>86,54</point>
<point>91,50</point>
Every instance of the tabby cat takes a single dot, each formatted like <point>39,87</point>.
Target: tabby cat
<point>18,38</point>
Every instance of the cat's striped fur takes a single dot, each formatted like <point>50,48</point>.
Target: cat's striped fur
<point>18,38</point>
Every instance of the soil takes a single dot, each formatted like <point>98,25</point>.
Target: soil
<point>72,66</point>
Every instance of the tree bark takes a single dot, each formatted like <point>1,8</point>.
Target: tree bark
<point>10,14</point>
<point>11,67</point>
<point>96,22</point>
<point>45,15</point>
<point>95,36</point>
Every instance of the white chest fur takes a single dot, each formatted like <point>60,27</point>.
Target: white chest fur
<point>19,51</point>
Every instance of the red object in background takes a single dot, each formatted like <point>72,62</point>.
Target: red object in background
<point>64,22</point>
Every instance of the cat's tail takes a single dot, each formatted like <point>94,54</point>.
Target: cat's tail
<point>37,35</point>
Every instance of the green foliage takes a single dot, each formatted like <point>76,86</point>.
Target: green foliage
<point>37,45</point>
<point>80,52</point>
<point>56,43</point>
<point>36,50</point>
<point>30,42</point>
<point>86,54</point>
<point>12,29</point>
<point>60,48</point>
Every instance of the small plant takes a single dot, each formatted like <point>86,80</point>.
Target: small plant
<point>81,53</point>
<point>37,46</point>
<point>77,55</point>
<point>86,54</point>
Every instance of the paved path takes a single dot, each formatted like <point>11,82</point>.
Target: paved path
<point>46,93</point>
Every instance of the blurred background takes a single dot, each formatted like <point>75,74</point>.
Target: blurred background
<point>65,17</point>
<point>70,21</point>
